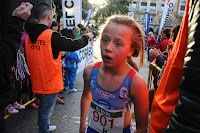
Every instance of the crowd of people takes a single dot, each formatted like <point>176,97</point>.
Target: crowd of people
<point>113,85</point>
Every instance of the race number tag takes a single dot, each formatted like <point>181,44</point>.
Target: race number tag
<point>105,121</point>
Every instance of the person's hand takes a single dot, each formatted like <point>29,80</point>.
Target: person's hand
<point>63,64</point>
<point>154,52</point>
<point>23,11</point>
<point>82,128</point>
<point>90,35</point>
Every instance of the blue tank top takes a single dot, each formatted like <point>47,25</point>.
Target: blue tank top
<point>112,100</point>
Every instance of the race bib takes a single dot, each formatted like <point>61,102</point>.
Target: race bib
<point>105,121</point>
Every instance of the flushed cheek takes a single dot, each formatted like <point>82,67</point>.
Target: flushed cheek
<point>102,49</point>
<point>120,57</point>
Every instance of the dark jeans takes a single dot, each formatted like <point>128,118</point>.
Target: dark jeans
<point>148,55</point>
<point>47,104</point>
<point>70,77</point>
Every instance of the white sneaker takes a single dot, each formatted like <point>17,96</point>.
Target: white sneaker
<point>19,106</point>
<point>66,89</point>
<point>52,128</point>
<point>11,109</point>
<point>72,90</point>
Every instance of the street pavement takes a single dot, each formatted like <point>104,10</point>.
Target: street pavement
<point>66,117</point>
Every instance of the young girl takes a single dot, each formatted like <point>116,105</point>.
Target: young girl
<point>112,85</point>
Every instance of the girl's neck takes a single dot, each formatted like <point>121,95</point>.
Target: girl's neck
<point>118,70</point>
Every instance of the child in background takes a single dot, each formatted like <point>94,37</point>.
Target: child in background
<point>111,86</point>
<point>72,60</point>
<point>63,61</point>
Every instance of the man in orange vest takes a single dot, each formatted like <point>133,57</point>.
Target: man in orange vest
<point>43,50</point>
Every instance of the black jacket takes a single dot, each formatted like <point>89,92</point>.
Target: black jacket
<point>67,32</point>
<point>186,117</point>
<point>9,44</point>
<point>58,42</point>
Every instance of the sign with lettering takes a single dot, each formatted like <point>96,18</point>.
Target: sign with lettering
<point>168,8</point>
<point>86,56</point>
<point>72,13</point>
<point>104,120</point>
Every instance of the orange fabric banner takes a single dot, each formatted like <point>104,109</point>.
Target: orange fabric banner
<point>167,94</point>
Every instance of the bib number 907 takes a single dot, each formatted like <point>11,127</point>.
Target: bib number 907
<point>102,119</point>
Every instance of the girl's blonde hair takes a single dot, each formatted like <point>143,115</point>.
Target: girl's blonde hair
<point>137,40</point>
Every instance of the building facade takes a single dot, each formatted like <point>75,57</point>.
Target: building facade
<point>155,10</point>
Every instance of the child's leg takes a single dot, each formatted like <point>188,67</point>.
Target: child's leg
<point>72,78</point>
<point>67,74</point>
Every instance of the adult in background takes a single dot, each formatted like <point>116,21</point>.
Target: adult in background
<point>151,42</point>
<point>43,51</point>
<point>70,33</point>
<point>162,57</point>
<point>54,26</point>
<point>9,44</point>
<point>161,60</point>
<point>165,35</point>
<point>84,30</point>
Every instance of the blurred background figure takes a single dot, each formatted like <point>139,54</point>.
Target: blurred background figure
<point>54,26</point>
<point>151,42</point>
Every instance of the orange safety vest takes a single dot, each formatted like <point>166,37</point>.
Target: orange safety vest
<point>45,71</point>
<point>167,94</point>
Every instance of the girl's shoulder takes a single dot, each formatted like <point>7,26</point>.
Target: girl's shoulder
<point>138,81</point>
<point>88,70</point>
<point>90,66</point>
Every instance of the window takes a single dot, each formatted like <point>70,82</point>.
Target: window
<point>143,6</point>
<point>162,8</point>
<point>129,7</point>
<point>182,10</point>
<point>152,7</point>
<point>142,18</point>
<point>132,5</point>
<point>151,19</point>
<point>183,1</point>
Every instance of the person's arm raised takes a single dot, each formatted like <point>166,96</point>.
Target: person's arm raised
<point>62,43</point>
<point>23,11</point>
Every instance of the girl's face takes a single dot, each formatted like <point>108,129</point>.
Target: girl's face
<point>115,44</point>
